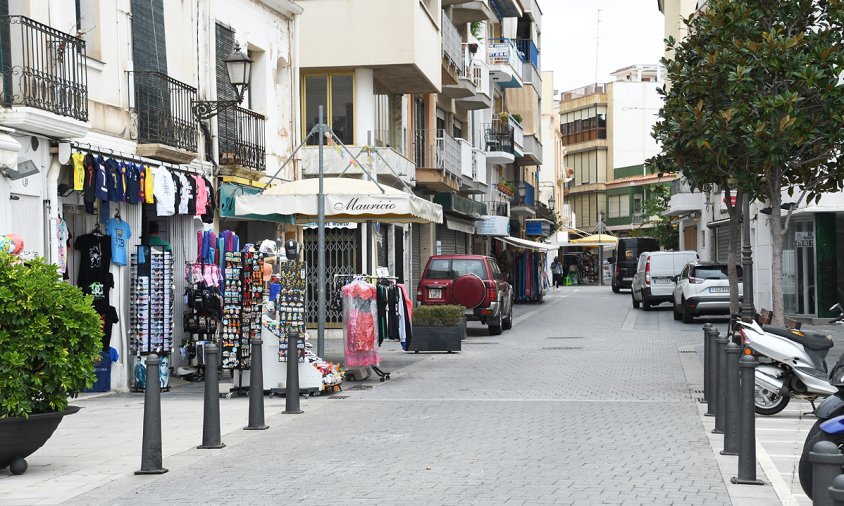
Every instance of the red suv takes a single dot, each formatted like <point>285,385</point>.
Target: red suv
<point>473,281</point>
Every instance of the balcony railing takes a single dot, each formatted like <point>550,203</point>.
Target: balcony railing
<point>480,76</point>
<point>504,51</point>
<point>528,52</point>
<point>43,68</point>
<point>497,208</point>
<point>163,105</point>
<point>530,194</point>
<point>498,136</point>
<point>242,138</point>
<point>436,149</point>
<point>583,91</point>
<point>479,165</point>
<point>452,44</point>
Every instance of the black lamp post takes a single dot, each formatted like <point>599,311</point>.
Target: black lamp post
<point>551,204</point>
<point>239,68</point>
<point>521,191</point>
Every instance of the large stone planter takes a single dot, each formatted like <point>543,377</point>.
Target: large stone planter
<point>446,339</point>
<point>21,437</point>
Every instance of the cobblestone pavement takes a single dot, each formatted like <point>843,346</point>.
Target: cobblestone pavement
<point>578,404</point>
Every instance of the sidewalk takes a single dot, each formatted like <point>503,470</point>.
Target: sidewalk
<point>101,444</point>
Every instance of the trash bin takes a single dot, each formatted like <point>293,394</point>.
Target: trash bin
<point>103,372</point>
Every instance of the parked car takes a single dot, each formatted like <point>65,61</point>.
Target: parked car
<point>653,282</point>
<point>703,288</point>
<point>627,254</point>
<point>473,281</point>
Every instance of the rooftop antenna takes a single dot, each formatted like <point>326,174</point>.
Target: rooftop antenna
<point>597,42</point>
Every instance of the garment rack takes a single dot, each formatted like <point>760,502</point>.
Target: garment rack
<point>78,146</point>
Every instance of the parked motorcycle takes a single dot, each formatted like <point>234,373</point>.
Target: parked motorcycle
<point>792,363</point>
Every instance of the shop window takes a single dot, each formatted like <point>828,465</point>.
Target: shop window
<point>336,94</point>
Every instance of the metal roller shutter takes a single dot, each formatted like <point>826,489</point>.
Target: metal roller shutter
<point>460,245</point>
<point>149,49</point>
<point>448,240</point>
<point>415,254</point>
<point>722,243</point>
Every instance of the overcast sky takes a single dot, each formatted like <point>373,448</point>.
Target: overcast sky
<point>631,32</point>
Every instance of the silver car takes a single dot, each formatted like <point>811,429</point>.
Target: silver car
<point>653,282</point>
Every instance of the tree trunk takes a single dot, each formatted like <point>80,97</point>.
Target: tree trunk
<point>777,239</point>
<point>733,252</point>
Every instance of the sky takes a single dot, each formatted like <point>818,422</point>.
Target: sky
<point>631,32</point>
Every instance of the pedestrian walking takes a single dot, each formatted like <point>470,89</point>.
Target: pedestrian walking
<point>557,273</point>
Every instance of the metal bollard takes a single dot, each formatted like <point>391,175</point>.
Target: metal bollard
<point>291,389</point>
<point>720,383</point>
<point>256,388</point>
<point>712,371</point>
<point>826,465</point>
<point>211,412</point>
<point>731,432</point>
<point>747,418</point>
<point>151,442</point>
<point>707,387</point>
<point>836,491</point>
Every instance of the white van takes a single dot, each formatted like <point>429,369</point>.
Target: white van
<point>653,283</point>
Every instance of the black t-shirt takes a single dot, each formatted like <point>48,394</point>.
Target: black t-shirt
<point>108,317</point>
<point>178,184</point>
<point>192,201</point>
<point>90,182</point>
<point>94,258</point>
<point>98,288</point>
<point>208,216</point>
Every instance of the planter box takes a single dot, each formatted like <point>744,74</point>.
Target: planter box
<point>20,437</point>
<point>437,338</point>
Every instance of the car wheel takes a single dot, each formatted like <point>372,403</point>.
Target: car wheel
<point>615,289</point>
<point>646,304</point>
<point>688,317</point>
<point>677,314</point>
<point>633,296</point>
<point>494,327</point>
<point>507,323</point>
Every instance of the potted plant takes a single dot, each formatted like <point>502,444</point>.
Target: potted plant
<point>438,328</point>
<point>50,337</point>
<point>506,188</point>
<point>517,118</point>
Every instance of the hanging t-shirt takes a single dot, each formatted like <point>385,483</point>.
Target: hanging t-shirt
<point>165,193</point>
<point>201,196</point>
<point>120,233</point>
<point>177,192</point>
<point>208,217</point>
<point>108,317</point>
<point>62,235</point>
<point>149,185</point>
<point>115,180</point>
<point>101,178</point>
<point>94,257</point>
<point>186,194</point>
<point>142,173</point>
<point>88,190</point>
<point>78,171</point>
<point>98,288</point>
<point>192,201</point>
<point>132,183</point>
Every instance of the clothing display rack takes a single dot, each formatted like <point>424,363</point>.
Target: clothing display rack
<point>360,321</point>
<point>88,148</point>
<point>529,278</point>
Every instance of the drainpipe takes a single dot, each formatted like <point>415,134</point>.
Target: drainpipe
<point>53,205</point>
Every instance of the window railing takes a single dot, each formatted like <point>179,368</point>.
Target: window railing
<point>163,106</point>
<point>497,208</point>
<point>242,138</point>
<point>504,51</point>
<point>452,44</point>
<point>638,218</point>
<point>528,52</point>
<point>480,76</point>
<point>43,68</point>
<point>498,136</point>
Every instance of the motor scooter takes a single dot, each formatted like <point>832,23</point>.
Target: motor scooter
<point>792,363</point>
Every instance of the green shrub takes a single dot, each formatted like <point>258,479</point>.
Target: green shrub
<point>50,337</point>
<point>517,117</point>
<point>438,316</point>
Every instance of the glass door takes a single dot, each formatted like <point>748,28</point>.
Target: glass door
<point>798,263</point>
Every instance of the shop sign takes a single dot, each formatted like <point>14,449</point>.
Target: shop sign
<point>493,226</point>
<point>804,239</point>
<point>537,227</point>
<point>332,224</point>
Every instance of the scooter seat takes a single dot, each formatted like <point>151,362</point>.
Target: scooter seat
<point>811,340</point>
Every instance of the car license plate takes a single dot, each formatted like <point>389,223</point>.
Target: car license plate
<point>662,281</point>
<point>435,293</point>
<point>627,279</point>
<point>720,289</point>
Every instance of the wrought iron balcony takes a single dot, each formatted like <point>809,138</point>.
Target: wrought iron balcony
<point>42,68</point>
<point>163,105</point>
<point>498,136</point>
<point>242,138</point>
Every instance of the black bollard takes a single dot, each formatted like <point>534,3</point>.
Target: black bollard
<point>836,491</point>
<point>826,462</point>
<point>731,429</point>
<point>707,387</point>
<point>291,389</point>
<point>747,420</point>
<point>211,412</point>
<point>712,371</point>
<point>151,442</point>
<point>720,383</point>
<point>256,388</point>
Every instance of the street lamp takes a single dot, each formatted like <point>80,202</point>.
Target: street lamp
<point>521,191</point>
<point>551,204</point>
<point>239,68</point>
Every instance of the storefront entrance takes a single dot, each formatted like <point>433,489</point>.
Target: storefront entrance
<point>798,268</point>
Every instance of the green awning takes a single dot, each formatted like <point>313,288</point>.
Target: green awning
<point>228,194</point>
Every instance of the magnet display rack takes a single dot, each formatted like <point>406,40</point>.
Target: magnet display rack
<point>151,297</point>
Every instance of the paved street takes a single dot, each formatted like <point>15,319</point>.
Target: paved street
<point>585,401</point>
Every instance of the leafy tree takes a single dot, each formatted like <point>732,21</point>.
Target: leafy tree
<point>660,226</point>
<point>753,105</point>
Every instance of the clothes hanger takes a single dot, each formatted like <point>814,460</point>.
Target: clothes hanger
<point>117,215</point>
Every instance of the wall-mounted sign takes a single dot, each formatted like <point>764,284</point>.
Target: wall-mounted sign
<point>804,239</point>
<point>493,226</point>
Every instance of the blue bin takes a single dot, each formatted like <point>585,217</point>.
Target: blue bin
<point>103,373</point>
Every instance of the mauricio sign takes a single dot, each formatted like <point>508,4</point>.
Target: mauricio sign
<point>365,204</point>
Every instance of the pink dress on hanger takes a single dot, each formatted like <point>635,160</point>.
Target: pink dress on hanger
<point>359,317</point>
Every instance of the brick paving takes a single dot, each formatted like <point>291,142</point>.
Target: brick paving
<point>578,404</point>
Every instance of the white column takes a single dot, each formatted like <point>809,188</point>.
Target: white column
<point>364,104</point>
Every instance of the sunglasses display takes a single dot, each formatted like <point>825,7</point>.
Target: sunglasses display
<point>151,297</point>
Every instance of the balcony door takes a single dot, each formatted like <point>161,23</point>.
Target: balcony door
<point>335,92</point>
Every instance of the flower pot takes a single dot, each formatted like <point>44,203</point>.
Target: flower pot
<point>21,437</point>
<point>446,339</point>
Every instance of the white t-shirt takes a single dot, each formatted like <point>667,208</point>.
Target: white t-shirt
<point>165,193</point>
<point>185,195</point>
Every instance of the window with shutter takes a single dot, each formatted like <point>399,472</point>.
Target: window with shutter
<point>149,48</point>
